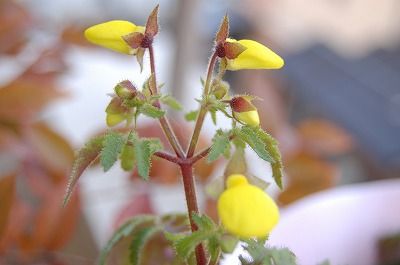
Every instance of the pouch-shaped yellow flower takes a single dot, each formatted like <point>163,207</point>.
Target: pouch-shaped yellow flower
<point>109,35</point>
<point>256,56</point>
<point>245,210</point>
<point>248,117</point>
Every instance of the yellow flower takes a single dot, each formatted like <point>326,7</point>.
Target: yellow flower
<point>256,56</point>
<point>109,35</point>
<point>245,210</point>
<point>244,111</point>
<point>249,117</point>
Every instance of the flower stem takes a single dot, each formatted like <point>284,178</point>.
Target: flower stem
<point>191,201</point>
<point>166,127</point>
<point>203,109</point>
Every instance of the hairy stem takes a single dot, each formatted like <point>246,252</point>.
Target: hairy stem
<point>203,109</point>
<point>166,127</point>
<point>191,201</point>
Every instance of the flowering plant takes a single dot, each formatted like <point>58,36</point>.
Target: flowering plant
<point>246,212</point>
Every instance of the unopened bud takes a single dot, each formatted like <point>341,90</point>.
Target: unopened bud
<point>125,89</point>
<point>219,88</point>
<point>244,111</point>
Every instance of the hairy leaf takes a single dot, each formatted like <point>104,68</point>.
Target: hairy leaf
<point>192,115</point>
<point>252,138</point>
<point>265,255</point>
<point>139,241</point>
<point>151,111</point>
<point>143,158</point>
<point>203,222</point>
<point>112,146</point>
<point>84,158</point>
<point>219,145</point>
<point>272,147</point>
<point>185,246</point>
<point>171,102</point>
<point>124,231</point>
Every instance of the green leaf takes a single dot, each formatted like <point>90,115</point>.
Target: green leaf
<point>185,246</point>
<point>272,147</point>
<point>143,158</point>
<point>228,243</point>
<point>251,137</point>
<point>128,156</point>
<point>203,222</point>
<point>124,231</point>
<point>220,144</point>
<point>84,158</point>
<point>154,145</point>
<point>171,102</point>
<point>265,255</point>
<point>151,111</point>
<point>139,241</point>
<point>213,114</point>
<point>192,115</point>
<point>112,146</point>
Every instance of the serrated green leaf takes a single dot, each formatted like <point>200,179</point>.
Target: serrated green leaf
<point>151,111</point>
<point>171,102</point>
<point>192,115</point>
<point>220,143</point>
<point>143,158</point>
<point>214,249</point>
<point>251,137</point>
<point>272,147</point>
<point>84,158</point>
<point>265,255</point>
<point>126,229</point>
<point>112,146</point>
<point>203,222</point>
<point>139,241</point>
<point>186,246</point>
<point>154,145</point>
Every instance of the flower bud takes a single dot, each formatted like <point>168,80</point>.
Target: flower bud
<point>219,88</point>
<point>125,90</point>
<point>115,112</point>
<point>255,56</point>
<point>245,210</point>
<point>109,35</point>
<point>244,111</point>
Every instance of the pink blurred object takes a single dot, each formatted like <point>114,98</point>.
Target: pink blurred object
<point>342,224</point>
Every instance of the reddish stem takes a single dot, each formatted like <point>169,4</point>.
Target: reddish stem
<point>191,201</point>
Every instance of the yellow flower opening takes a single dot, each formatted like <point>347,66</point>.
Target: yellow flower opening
<point>256,56</point>
<point>245,210</point>
<point>109,35</point>
<point>248,117</point>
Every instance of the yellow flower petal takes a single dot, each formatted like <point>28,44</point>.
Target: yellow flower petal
<point>109,35</point>
<point>245,210</point>
<point>248,117</point>
<point>114,119</point>
<point>256,56</point>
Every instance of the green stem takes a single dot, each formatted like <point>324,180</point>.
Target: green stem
<point>166,127</point>
<point>203,109</point>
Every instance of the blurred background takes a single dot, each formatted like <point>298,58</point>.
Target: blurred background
<point>334,107</point>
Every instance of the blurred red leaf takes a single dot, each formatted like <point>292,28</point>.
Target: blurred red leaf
<point>324,137</point>
<point>53,151</point>
<point>139,204</point>
<point>306,174</point>
<point>20,101</point>
<point>7,193</point>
